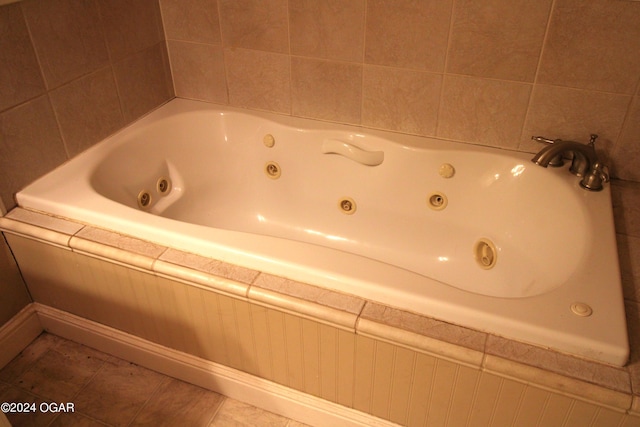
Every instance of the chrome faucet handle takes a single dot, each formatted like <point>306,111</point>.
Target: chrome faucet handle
<point>594,179</point>
<point>557,161</point>
<point>543,139</point>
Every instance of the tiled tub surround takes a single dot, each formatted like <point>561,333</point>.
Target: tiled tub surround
<point>222,203</point>
<point>379,360</point>
<point>73,72</point>
<point>491,73</point>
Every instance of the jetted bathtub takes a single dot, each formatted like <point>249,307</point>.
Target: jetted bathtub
<point>475,236</point>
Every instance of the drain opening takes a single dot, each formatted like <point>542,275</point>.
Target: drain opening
<point>437,201</point>
<point>485,253</point>
<point>144,199</point>
<point>347,205</point>
<point>272,169</point>
<point>163,186</point>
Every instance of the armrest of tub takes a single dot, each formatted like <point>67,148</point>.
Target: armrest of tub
<point>353,152</point>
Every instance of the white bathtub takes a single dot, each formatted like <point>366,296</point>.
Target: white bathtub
<point>474,236</point>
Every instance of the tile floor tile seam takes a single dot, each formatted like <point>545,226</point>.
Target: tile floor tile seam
<point>217,411</point>
<point>36,398</point>
<point>83,388</point>
<point>78,393</point>
<point>152,395</point>
<point>54,347</point>
<point>84,415</point>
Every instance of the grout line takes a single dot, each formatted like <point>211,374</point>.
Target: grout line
<point>165,380</point>
<point>444,73</point>
<point>535,82</point>
<point>544,41</point>
<point>218,409</point>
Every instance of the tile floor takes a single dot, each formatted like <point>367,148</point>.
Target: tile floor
<point>106,391</point>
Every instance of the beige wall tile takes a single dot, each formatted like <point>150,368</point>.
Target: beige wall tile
<point>30,146</point>
<point>130,26</point>
<point>330,29</point>
<point>258,80</point>
<point>625,197</point>
<point>573,114</point>
<point>401,100</point>
<point>326,90</point>
<point>407,33</point>
<point>198,71</point>
<point>78,46</point>
<point>590,46</point>
<point>629,257</point>
<point>63,41</point>
<point>88,110</point>
<point>489,112</point>
<point>255,24</point>
<point>144,81</point>
<point>191,20</point>
<point>20,77</point>
<point>498,38</point>
<point>626,155</point>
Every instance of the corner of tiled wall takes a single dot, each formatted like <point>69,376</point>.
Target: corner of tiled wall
<point>73,73</point>
<point>491,73</point>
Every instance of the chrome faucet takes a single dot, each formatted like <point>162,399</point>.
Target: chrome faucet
<point>584,164</point>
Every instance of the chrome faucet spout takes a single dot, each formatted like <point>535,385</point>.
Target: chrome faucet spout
<point>583,155</point>
<point>585,161</point>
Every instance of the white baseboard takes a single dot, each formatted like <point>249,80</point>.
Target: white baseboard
<point>18,333</point>
<point>213,376</point>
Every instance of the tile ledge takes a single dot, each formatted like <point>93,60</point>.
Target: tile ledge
<point>303,308</point>
<point>35,232</point>
<point>419,342</point>
<point>45,220</point>
<point>111,254</point>
<point>195,277</point>
<point>558,383</point>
